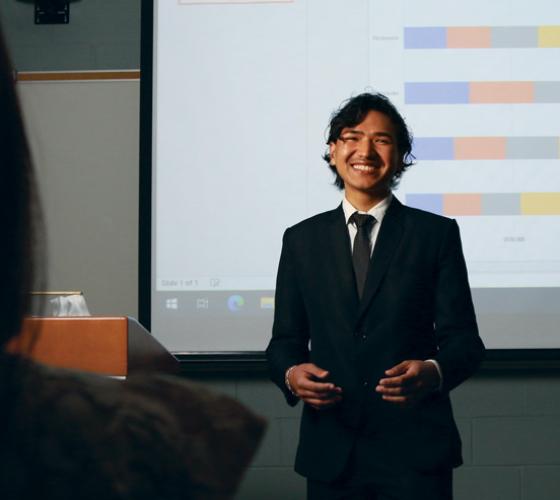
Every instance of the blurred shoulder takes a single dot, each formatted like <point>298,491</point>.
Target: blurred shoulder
<point>150,436</point>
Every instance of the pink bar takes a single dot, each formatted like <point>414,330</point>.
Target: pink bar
<point>479,148</point>
<point>210,2</point>
<point>501,92</point>
<point>462,204</point>
<point>469,38</point>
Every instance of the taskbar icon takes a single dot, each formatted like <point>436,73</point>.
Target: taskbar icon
<point>267,302</point>
<point>235,303</point>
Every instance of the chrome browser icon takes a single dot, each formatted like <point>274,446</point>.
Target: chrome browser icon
<point>235,303</point>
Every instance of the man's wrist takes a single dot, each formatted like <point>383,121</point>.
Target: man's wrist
<point>287,380</point>
<point>440,375</point>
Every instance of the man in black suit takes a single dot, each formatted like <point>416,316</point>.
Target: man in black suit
<point>374,324</point>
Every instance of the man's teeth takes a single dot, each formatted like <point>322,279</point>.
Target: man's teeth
<point>363,168</point>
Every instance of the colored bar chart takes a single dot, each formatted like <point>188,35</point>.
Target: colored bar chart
<point>465,204</point>
<point>486,148</point>
<point>481,37</point>
<point>504,92</point>
<point>478,83</point>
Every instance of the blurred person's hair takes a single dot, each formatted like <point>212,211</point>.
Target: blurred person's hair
<point>19,214</point>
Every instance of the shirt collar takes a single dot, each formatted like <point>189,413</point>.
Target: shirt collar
<point>378,211</point>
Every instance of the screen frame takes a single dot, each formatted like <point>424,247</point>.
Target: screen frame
<point>532,360</point>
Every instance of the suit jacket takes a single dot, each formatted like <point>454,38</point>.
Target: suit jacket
<point>416,305</point>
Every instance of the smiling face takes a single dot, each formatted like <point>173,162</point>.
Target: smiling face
<point>366,158</point>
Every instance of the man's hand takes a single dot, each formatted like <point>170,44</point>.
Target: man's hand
<point>409,382</point>
<point>305,381</point>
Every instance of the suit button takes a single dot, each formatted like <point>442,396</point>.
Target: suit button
<point>364,336</point>
<point>365,383</point>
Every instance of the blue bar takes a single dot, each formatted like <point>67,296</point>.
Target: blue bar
<point>429,202</point>
<point>436,92</point>
<point>433,148</point>
<point>425,38</point>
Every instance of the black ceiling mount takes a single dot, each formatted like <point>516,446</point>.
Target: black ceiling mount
<point>52,11</point>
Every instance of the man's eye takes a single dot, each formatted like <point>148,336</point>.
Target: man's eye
<point>382,140</point>
<point>349,138</point>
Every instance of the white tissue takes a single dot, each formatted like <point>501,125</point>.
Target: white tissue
<point>70,305</point>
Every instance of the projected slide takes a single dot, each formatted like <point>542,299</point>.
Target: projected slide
<point>243,91</point>
<point>493,90</point>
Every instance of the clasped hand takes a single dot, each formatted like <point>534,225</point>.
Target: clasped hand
<point>409,382</point>
<point>308,383</point>
<point>405,384</point>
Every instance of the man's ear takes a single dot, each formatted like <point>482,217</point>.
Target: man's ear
<point>332,152</point>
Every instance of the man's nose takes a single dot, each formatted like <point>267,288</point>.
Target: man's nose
<point>367,149</point>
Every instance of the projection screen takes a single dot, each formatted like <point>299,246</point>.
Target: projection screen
<point>242,92</point>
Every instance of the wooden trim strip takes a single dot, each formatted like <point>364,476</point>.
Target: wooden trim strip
<point>54,76</point>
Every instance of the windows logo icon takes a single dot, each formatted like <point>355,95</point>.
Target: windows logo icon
<point>172,303</point>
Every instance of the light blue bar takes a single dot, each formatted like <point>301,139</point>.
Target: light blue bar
<point>429,202</point>
<point>433,148</point>
<point>425,38</point>
<point>436,92</point>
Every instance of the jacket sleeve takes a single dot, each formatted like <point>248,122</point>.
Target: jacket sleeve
<point>290,335</point>
<point>460,347</point>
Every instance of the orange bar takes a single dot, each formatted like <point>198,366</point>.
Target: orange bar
<point>462,204</point>
<point>501,92</point>
<point>479,148</point>
<point>469,38</point>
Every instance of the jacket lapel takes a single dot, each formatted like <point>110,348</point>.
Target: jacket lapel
<point>386,245</point>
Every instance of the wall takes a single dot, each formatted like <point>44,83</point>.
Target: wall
<point>509,422</point>
<point>87,162</point>
<point>102,34</point>
<point>84,139</point>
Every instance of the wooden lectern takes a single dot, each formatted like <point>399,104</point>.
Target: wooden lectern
<point>115,346</point>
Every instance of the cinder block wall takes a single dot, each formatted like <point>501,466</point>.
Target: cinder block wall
<point>510,423</point>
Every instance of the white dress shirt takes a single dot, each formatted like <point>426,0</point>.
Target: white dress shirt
<point>378,211</point>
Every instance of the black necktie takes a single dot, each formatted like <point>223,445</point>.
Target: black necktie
<point>362,248</point>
